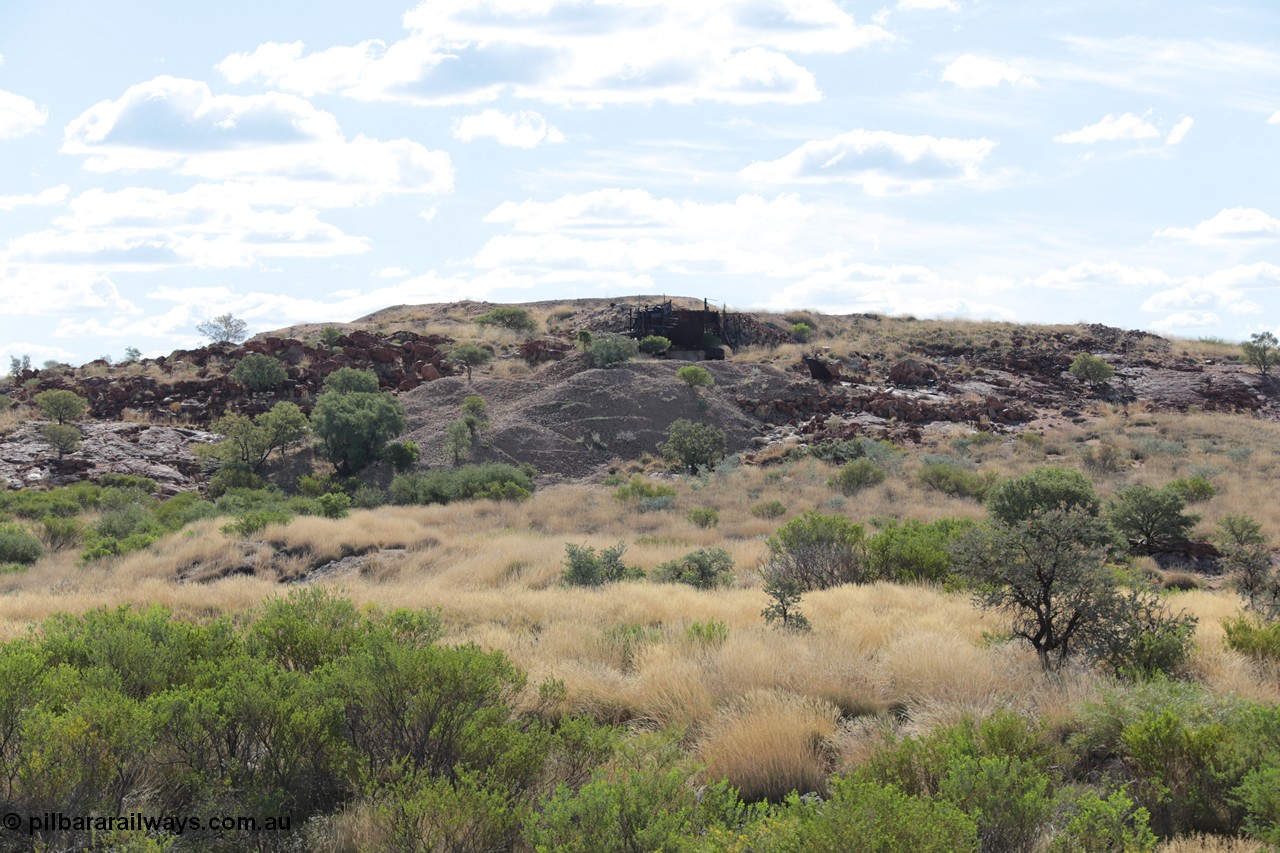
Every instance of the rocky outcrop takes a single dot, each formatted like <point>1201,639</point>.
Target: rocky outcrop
<point>161,453</point>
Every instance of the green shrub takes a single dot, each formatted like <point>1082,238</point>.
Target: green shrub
<point>1253,637</point>
<point>259,372</point>
<point>706,568</point>
<point>334,505</point>
<point>786,593</point>
<point>231,477</point>
<point>470,356</point>
<point>509,317</point>
<point>871,818</point>
<point>713,633</point>
<point>584,567</point>
<point>1259,794</point>
<point>913,551</point>
<point>1193,489</point>
<point>1043,489</point>
<point>769,509</point>
<point>801,332</point>
<point>1091,370</point>
<point>608,349</point>
<point>654,344</point>
<point>352,426</point>
<point>956,481</point>
<point>61,533</point>
<point>63,438</point>
<point>1092,824</point>
<point>401,455</point>
<point>703,517</point>
<point>1261,351</point>
<point>18,546</point>
<point>254,522</point>
<point>656,504</point>
<point>694,445</point>
<point>61,406</point>
<point>1150,519</point>
<point>1008,798</point>
<point>695,377</point>
<point>818,551</point>
<point>856,476</point>
<point>640,488</point>
<point>488,480</point>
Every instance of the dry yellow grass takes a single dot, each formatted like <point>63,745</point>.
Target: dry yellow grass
<point>1213,844</point>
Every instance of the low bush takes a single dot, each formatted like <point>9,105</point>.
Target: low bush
<point>18,546</point>
<point>608,349</point>
<point>818,551</point>
<point>584,567</point>
<point>509,317</point>
<point>640,488</point>
<point>856,476</point>
<point>703,517</point>
<point>488,480</point>
<point>706,568</point>
<point>654,345</point>
<point>769,509</point>
<point>695,377</point>
<point>1253,637</point>
<point>956,481</point>
<point>913,551</point>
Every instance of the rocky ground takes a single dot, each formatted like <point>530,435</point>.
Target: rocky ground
<point>569,419</point>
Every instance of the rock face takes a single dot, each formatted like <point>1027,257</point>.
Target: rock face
<point>159,452</point>
<point>195,386</point>
<point>912,372</point>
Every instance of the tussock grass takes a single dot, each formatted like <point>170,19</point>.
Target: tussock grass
<point>1213,844</point>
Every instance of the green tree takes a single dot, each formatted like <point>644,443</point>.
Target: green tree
<point>353,426</point>
<point>249,443</point>
<point>132,355</point>
<point>1043,489</point>
<point>224,329</point>
<point>348,380</point>
<point>1049,574</point>
<point>1260,351</point>
<point>62,406</point>
<point>1150,519</point>
<point>694,445</point>
<point>64,438</point>
<point>473,411</point>
<point>801,331</point>
<point>509,317</point>
<point>654,345</point>
<point>784,610</point>
<point>608,349</point>
<point>470,356</point>
<point>695,376</point>
<point>457,441</point>
<point>259,372</point>
<point>1091,370</point>
<point>818,551</point>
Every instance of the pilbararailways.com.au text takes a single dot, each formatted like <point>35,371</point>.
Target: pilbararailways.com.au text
<point>139,822</point>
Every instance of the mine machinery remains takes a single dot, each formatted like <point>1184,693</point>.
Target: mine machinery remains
<point>707,330</point>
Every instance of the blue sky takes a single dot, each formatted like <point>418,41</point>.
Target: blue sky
<point>163,163</point>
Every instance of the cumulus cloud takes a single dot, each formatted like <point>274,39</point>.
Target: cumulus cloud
<point>1231,226</point>
<point>209,225</point>
<point>976,72</point>
<point>279,144</point>
<point>1179,131</point>
<point>51,196</point>
<point>1275,118</point>
<point>19,116</point>
<point>1110,129</point>
<point>524,129</point>
<point>1181,320</point>
<point>38,290</point>
<point>574,52</point>
<point>1226,290</point>
<point>1087,274</point>
<point>879,161</point>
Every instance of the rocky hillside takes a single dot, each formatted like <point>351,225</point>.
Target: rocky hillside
<point>859,374</point>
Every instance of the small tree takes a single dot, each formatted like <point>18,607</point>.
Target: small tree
<point>856,476</point>
<point>18,366</point>
<point>608,349</point>
<point>1043,489</point>
<point>457,441</point>
<point>132,355</point>
<point>694,445</point>
<point>1151,520</point>
<point>583,567</point>
<point>473,412</point>
<point>350,380</point>
<point>654,345</point>
<point>1246,560</point>
<point>470,356</point>
<point>352,427</point>
<point>584,339</point>
<point>224,329</point>
<point>62,406</point>
<point>509,317</point>
<point>259,372</point>
<point>801,331</point>
<point>818,551</point>
<point>249,443</point>
<point>1260,351</point>
<point>706,568</point>
<point>1049,573</point>
<point>695,376</point>
<point>1091,370</point>
<point>64,438</point>
<point>784,610</point>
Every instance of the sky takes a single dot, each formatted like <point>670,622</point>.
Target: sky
<point>164,163</point>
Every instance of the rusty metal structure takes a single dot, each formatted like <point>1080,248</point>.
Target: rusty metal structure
<point>687,328</point>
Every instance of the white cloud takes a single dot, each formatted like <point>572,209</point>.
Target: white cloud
<point>209,225</point>
<point>281,146</point>
<point>949,5</point>
<point>524,129</point>
<point>44,198</point>
<point>57,290</point>
<point>1275,118</point>
<point>1179,131</point>
<point>1090,275</point>
<point>574,52</point>
<point>1225,289</point>
<point>39,353</point>
<point>19,116</point>
<point>1230,226</point>
<point>879,161</point>
<point>1110,129</point>
<point>1180,320</point>
<point>392,272</point>
<point>976,72</point>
